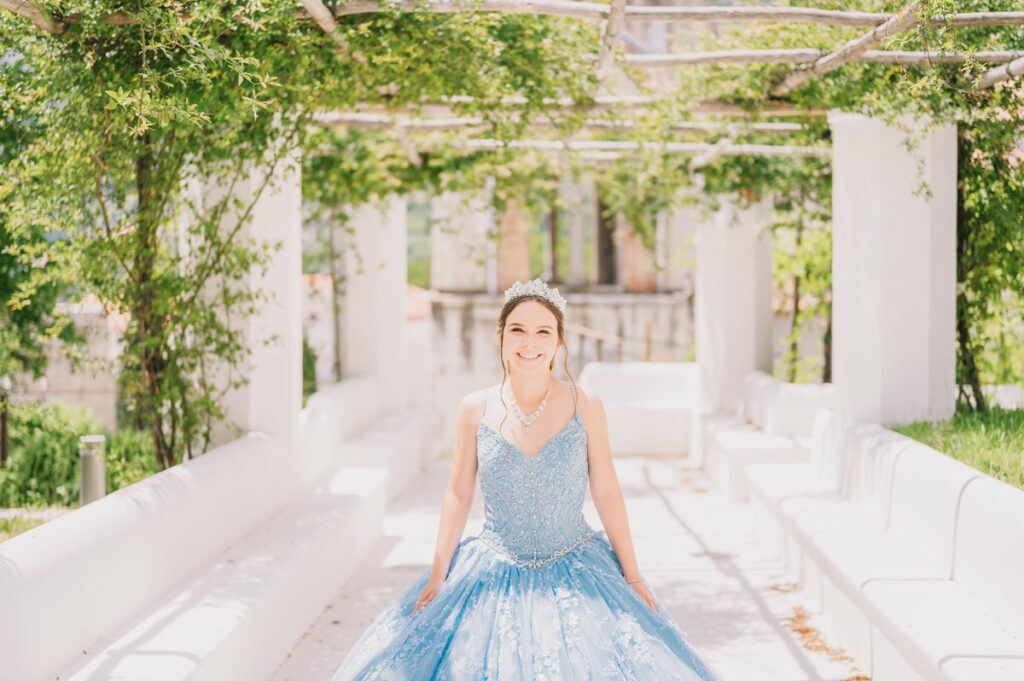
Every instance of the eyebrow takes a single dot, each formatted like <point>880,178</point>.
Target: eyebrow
<point>542,326</point>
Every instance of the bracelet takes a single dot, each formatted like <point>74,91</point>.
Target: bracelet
<point>638,579</point>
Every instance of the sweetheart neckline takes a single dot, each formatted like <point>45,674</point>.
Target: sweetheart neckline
<point>540,450</point>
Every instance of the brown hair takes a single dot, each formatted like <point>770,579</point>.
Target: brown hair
<point>506,310</point>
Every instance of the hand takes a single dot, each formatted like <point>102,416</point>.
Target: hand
<point>645,593</point>
<point>428,593</point>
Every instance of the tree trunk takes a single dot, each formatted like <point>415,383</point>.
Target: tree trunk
<point>794,343</point>
<point>826,342</point>
<point>968,361</point>
<point>3,430</point>
<point>336,292</point>
<point>149,322</point>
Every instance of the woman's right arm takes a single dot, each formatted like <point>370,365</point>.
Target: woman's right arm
<point>458,494</point>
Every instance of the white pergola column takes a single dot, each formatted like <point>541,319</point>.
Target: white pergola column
<point>373,324</point>
<point>578,213</point>
<point>733,314</point>
<point>461,250</point>
<point>680,259</point>
<point>272,398</point>
<point>893,270</point>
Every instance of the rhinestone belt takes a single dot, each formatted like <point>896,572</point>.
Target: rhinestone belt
<point>535,563</point>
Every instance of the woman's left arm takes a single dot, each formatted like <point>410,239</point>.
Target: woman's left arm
<point>607,493</point>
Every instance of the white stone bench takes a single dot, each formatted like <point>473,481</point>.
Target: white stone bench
<point>212,569</point>
<point>774,425</point>
<point>970,625</point>
<point>244,611</point>
<point>890,528</point>
<point>781,408</point>
<point>649,405</point>
<point>782,492</point>
<point>732,445</point>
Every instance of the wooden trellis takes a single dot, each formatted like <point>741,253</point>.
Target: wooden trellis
<point>358,119</point>
<point>810,63</point>
<point>663,147</point>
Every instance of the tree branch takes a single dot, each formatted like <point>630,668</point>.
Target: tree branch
<point>896,24</point>
<point>28,10</point>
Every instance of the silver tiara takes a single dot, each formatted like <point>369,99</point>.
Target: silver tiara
<point>535,287</point>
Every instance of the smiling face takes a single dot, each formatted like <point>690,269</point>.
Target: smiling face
<point>530,338</point>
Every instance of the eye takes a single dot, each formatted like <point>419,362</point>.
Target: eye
<point>545,331</point>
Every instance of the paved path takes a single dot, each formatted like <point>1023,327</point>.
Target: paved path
<point>697,552</point>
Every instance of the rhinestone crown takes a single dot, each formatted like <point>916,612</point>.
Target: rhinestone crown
<point>535,287</point>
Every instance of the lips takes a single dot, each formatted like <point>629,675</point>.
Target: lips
<point>529,359</point>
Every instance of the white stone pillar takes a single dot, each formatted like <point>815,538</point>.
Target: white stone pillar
<point>577,275</point>
<point>461,250</point>
<point>733,315</point>
<point>893,270</point>
<point>373,328</point>
<point>272,398</point>
<point>578,212</point>
<point>680,256</point>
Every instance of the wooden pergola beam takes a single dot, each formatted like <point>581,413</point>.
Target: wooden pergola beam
<point>905,19</point>
<point>666,147</point>
<point>28,10</point>
<point>602,102</point>
<point>358,119</point>
<point>966,19</point>
<point>702,126</point>
<point>610,37</point>
<point>810,55</point>
<point>593,10</point>
<point>808,15</point>
<point>1000,73</point>
<point>599,11</point>
<point>323,17</point>
<point>588,10</point>
<point>715,151</point>
<point>916,57</point>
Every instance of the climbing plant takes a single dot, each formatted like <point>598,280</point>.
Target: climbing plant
<point>118,125</point>
<point>135,120</point>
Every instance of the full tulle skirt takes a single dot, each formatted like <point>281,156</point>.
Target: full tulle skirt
<point>495,620</point>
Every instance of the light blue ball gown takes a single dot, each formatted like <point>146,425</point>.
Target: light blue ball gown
<point>538,595</point>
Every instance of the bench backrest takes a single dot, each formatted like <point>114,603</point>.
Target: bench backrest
<point>782,408</point>
<point>825,454</point>
<point>668,382</point>
<point>925,494</point>
<point>989,550</point>
<point>869,454</point>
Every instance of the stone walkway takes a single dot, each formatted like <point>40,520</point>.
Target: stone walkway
<point>697,552</point>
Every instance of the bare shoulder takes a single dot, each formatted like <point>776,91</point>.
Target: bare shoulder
<point>591,407</point>
<point>471,407</point>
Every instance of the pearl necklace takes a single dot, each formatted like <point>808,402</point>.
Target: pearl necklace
<point>528,419</point>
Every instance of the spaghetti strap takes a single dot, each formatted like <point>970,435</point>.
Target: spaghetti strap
<point>572,389</point>
<point>487,395</point>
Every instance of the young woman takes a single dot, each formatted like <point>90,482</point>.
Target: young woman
<point>539,593</point>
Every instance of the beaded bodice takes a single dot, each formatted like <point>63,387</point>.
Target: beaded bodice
<point>533,506</point>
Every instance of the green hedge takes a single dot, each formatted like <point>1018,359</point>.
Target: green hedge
<point>43,469</point>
